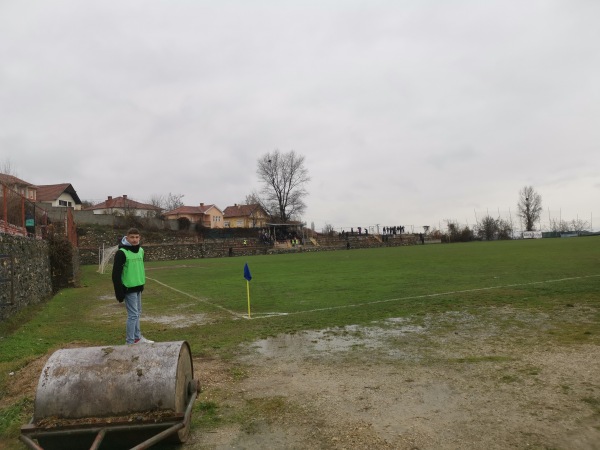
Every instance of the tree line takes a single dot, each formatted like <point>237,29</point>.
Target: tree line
<point>489,228</point>
<point>283,177</point>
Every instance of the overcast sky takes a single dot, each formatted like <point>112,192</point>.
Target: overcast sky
<point>407,112</point>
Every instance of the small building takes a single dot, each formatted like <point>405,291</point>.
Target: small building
<point>59,195</point>
<point>18,212</point>
<point>208,216</point>
<point>245,216</point>
<point>24,188</point>
<point>123,206</point>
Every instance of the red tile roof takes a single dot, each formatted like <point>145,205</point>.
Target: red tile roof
<point>11,180</point>
<point>50,192</point>
<point>123,203</point>
<point>191,210</point>
<point>242,210</point>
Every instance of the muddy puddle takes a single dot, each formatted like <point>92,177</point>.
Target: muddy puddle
<point>178,321</point>
<point>337,340</point>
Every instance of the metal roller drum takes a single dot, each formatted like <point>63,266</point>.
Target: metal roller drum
<point>113,381</point>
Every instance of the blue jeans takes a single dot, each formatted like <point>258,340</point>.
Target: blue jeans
<point>133,304</point>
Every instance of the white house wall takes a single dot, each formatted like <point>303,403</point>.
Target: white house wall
<point>66,198</point>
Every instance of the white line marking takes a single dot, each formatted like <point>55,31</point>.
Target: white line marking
<point>413,297</point>
<point>233,313</point>
<point>356,305</point>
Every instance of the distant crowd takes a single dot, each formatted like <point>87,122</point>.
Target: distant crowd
<point>351,232</point>
<point>266,236</point>
<point>393,230</point>
<point>387,231</point>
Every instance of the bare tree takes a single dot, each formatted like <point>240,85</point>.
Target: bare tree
<point>284,178</point>
<point>7,168</point>
<point>505,229</point>
<point>563,226</point>
<point>167,203</point>
<point>255,199</point>
<point>529,207</point>
<point>579,225</point>
<point>491,229</point>
<point>328,229</point>
<point>559,226</point>
<point>456,233</point>
<point>252,199</point>
<point>488,228</point>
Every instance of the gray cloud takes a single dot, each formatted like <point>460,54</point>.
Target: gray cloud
<point>406,112</point>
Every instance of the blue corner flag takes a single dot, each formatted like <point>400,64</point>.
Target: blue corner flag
<point>247,275</point>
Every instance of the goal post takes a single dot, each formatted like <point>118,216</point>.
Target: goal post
<point>106,257</point>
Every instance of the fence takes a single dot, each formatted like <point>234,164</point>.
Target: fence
<point>19,216</point>
<point>22,217</point>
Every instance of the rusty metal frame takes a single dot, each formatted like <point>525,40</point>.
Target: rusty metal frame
<point>30,432</point>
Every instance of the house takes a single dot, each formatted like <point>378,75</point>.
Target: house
<point>123,206</point>
<point>18,214</point>
<point>59,195</point>
<point>209,216</point>
<point>27,190</point>
<point>245,216</point>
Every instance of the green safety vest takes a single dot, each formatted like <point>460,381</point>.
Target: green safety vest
<point>133,270</point>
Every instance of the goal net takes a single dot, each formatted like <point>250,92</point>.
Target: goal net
<point>106,257</point>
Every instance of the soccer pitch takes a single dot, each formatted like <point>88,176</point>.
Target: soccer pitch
<point>509,296</point>
<point>299,291</point>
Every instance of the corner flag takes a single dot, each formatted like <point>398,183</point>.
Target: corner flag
<point>248,277</point>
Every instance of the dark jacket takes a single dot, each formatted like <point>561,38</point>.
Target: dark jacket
<point>117,272</point>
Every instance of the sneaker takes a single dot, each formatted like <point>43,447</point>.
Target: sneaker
<point>143,340</point>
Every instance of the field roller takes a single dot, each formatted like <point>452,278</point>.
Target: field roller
<point>114,397</point>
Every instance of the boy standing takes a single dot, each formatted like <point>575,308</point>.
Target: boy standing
<point>129,277</point>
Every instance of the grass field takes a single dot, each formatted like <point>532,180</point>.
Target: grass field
<point>205,301</point>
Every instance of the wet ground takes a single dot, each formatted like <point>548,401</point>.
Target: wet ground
<point>451,381</point>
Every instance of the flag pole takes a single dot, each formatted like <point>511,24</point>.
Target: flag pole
<point>248,290</point>
<point>248,277</point>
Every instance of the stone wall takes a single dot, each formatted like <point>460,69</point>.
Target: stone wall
<point>25,277</point>
<point>172,246</point>
<point>89,218</point>
<point>167,245</point>
<point>171,251</point>
<point>354,241</point>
